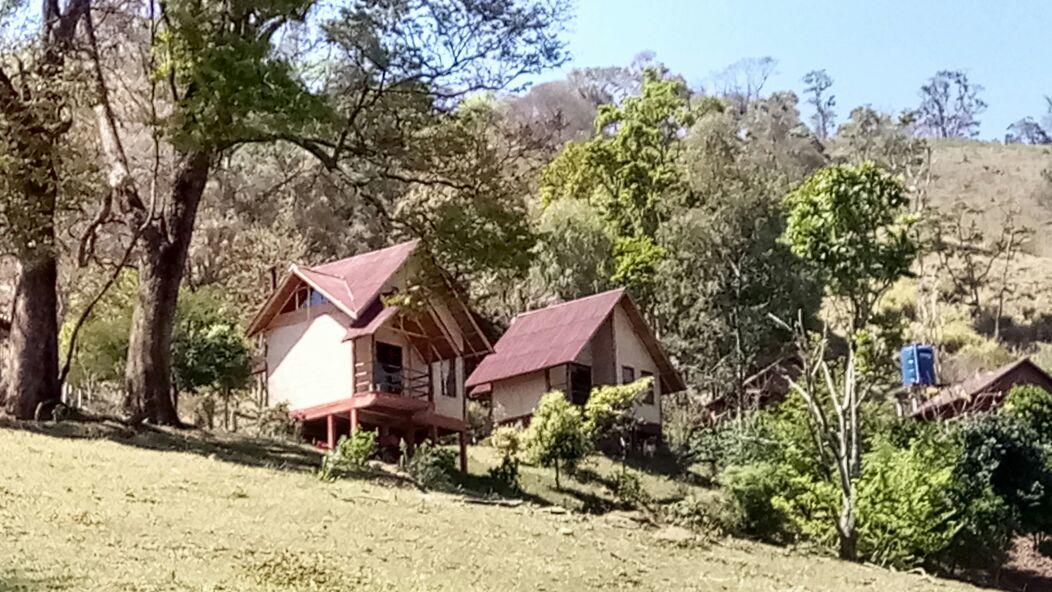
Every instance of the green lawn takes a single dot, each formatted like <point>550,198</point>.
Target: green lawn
<point>152,512</point>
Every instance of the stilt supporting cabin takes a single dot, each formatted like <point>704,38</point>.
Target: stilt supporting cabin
<point>463,452</point>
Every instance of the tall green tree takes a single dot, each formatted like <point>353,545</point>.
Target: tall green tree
<point>725,268</point>
<point>851,224</point>
<point>631,174</point>
<point>37,109</point>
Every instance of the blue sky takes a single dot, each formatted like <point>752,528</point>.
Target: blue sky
<point>878,52</point>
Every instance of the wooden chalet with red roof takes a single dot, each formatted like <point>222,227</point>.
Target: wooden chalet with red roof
<point>571,347</point>
<point>982,392</point>
<point>343,359</point>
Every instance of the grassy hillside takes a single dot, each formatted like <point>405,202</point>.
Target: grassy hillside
<point>170,513</point>
<point>993,177</point>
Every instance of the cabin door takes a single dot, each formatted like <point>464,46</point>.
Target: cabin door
<point>388,369</point>
<point>580,383</point>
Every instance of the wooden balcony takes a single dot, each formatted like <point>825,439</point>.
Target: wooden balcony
<point>375,377</point>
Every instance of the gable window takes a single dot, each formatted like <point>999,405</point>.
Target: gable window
<point>651,396</point>
<point>628,374</point>
<point>303,297</point>
<point>580,383</point>
<point>316,299</point>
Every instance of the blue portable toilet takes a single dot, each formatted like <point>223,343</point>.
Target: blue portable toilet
<point>918,364</point>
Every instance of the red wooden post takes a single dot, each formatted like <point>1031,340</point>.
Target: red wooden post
<point>463,452</point>
<point>354,420</point>
<point>433,435</point>
<point>331,440</point>
<point>410,442</point>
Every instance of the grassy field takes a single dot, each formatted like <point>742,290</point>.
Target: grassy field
<point>153,512</point>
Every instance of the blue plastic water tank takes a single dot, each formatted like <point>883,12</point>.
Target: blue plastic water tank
<point>918,364</point>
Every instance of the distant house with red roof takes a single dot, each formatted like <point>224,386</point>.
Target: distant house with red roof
<point>342,358</point>
<point>571,347</point>
<point>984,391</point>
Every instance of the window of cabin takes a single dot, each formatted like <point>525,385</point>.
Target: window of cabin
<point>316,299</point>
<point>580,383</point>
<point>303,296</point>
<point>447,372</point>
<point>651,395</point>
<point>628,374</point>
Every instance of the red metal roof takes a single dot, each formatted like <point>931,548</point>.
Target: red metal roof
<point>357,281</point>
<point>352,284</point>
<point>370,325</point>
<point>555,335</point>
<point>982,391</point>
<point>544,338</point>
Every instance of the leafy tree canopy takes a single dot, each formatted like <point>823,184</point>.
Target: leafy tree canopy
<point>850,223</point>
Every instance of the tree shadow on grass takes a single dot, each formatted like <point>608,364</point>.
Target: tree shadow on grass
<point>10,582</point>
<point>486,487</point>
<point>591,503</point>
<point>237,449</point>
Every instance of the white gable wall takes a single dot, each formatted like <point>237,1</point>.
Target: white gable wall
<point>630,351</point>
<point>308,363</point>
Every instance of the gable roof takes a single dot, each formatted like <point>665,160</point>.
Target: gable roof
<point>352,284</point>
<point>983,390</point>
<point>555,335</point>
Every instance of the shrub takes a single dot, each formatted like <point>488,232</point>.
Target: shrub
<point>1003,482</point>
<point>975,357</point>
<point>478,419</point>
<point>628,490</point>
<point>753,486</point>
<point>811,506</point>
<point>350,454</point>
<point>906,512</point>
<point>275,422</point>
<point>556,436</point>
<point>711,513</point>
<point>506,441</point>
<point>1031,405</point>
<point>681,419</point>
<point>433,467</point>
<point>608,411</point>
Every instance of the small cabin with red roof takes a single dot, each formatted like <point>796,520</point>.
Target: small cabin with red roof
<point>366,342</point>
<point>571,347</point>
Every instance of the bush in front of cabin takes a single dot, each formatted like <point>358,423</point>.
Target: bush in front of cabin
<point>556,437</point>
<point>275,422</point>
<point>906,511</point>
<point>628,490</point>
<point>433,467</point>
<point>610,412</point>
<point>1031,405</point>
<point>507,441</point>
<point>350,455</point>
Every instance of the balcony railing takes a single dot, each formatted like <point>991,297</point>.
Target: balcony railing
<point>384,378</point>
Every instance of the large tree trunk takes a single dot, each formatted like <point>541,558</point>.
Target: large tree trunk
<point>31,372</point>
<point>165,243</point>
